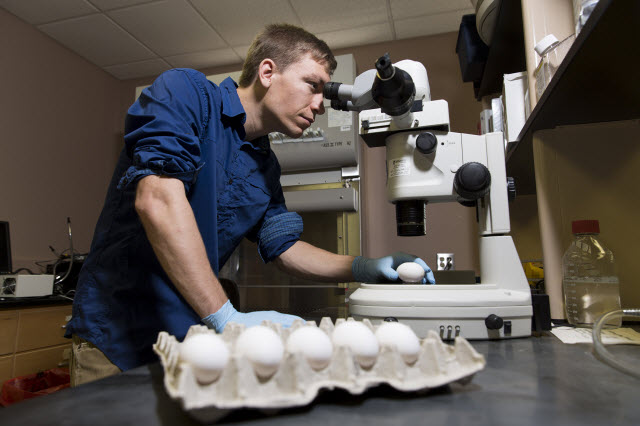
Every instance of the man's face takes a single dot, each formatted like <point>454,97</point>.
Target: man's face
<point>295,96</point>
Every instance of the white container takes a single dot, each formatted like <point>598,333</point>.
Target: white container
<point>581,11</point>
<point>514,95</point>
<point>552,53</point>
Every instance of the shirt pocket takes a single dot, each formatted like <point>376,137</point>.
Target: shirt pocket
<point>242,203</point>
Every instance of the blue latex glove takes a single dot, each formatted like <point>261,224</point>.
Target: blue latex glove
<point>383,269</point>
<point>227,313</point>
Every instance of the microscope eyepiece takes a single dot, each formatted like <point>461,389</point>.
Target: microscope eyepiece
<point>339,105</point>
<point>393,89</point>
<point>330,90</point>
<point>384,67</point>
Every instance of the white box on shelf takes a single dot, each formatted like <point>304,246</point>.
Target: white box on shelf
<point>514,95</point>
<point>486,123</point>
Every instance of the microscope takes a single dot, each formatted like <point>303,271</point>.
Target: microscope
<point>427,163</point>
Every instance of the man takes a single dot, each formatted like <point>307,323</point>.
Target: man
<point>195,177</point>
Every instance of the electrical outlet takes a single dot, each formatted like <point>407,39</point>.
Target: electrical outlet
<point>446,262</point>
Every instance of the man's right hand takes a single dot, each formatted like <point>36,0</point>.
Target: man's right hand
<point>227,313</point>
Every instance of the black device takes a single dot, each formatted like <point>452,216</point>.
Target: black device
<point>61,268</point>
<point>5,249</point>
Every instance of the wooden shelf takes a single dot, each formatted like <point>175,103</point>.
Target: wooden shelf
<point>596,82</point>
<point>506,53</point>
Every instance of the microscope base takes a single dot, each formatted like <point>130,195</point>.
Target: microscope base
<point>449,310</point>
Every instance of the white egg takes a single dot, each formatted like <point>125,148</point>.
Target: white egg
<point>207,354</point>
<point>410,272</point>
<point>401,337</point>
<point>360,339</point>
<point>264,349</point>
<point>314,345</point>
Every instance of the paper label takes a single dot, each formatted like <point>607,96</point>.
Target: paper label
<point>618,336</point>
<point>398,167</point>
<point>339,118</point>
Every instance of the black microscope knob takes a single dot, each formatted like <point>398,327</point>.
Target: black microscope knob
<point>472,181</point>
<point>493,322</point>
<point>426,143</point>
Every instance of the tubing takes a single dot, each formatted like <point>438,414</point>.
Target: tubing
<point>602,352</point>
<point>70,256</point>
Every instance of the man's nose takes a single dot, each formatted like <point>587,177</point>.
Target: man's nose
<point>317,106</point>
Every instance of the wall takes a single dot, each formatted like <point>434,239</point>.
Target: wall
<point>60,118</point>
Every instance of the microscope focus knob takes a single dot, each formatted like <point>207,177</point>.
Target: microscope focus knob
<point>493,322</point>
<point>426,143</point>
<point>472,181</point>
<point>511,189</point>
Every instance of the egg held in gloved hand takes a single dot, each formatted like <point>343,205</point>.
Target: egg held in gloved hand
<point>410,272</point>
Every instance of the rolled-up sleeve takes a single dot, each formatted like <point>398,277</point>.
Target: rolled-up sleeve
<point>280,229</point>
<point>163,129</point>
<point>277,234</point>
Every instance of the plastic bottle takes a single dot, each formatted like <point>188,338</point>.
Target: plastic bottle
<point>591,287</point>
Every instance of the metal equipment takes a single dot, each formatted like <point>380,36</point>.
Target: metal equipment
<point>428,163</point>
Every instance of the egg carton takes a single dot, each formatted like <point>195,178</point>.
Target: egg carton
<point>295,383</point>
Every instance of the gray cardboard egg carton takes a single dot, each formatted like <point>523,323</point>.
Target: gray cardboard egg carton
<point>295,383</point>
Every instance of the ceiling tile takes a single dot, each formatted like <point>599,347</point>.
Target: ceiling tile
<point>153,67</point>
<point>211,58</point>
<point>97,39</point>
<point>357,36</point>
<point>332,15</point>
<point>239,21</point>
<point>117,4</point>
<point>404,9</point>
<point>430,25</point>
<point>241,50</point>
<point>41,11</point>
<point>170,27</point>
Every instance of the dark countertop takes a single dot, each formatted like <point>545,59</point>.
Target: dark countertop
<point>527,381</point>
<point>27,302</point>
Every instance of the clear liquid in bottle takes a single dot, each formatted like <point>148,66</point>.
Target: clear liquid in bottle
<point>591,287</point>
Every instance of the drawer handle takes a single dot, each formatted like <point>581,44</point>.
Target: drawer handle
<point>63,364</point>
<point>64,326</point>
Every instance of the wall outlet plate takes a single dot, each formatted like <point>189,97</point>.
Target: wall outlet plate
<point>446,261</point>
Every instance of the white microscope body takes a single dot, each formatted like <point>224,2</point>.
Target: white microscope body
<point>428,163</point>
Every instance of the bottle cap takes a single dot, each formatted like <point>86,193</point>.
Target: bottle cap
<point>547,44</point>
<point>585,227</point>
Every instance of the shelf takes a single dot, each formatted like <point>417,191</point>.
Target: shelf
<point>506,53</point>
<point>596,82</point>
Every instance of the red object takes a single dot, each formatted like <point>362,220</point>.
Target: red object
<point>32,385</point>
<point>585,227</point>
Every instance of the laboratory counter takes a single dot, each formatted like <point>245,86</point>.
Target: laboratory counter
<point>10,302</point>
<point>527,381</point>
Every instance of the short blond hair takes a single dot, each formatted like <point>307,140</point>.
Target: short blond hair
<point>284,44</point>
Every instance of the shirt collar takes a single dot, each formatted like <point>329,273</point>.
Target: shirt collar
<point>231,105</point>
<point>232,108</point>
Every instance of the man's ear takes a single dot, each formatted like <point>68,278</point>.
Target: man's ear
<point>266,70</point>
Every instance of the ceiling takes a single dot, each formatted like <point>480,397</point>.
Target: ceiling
<point>140,38</point>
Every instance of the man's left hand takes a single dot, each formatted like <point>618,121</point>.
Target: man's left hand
<point>383,269</point>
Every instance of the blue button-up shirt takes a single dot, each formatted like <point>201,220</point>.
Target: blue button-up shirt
<point>186,127</point>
